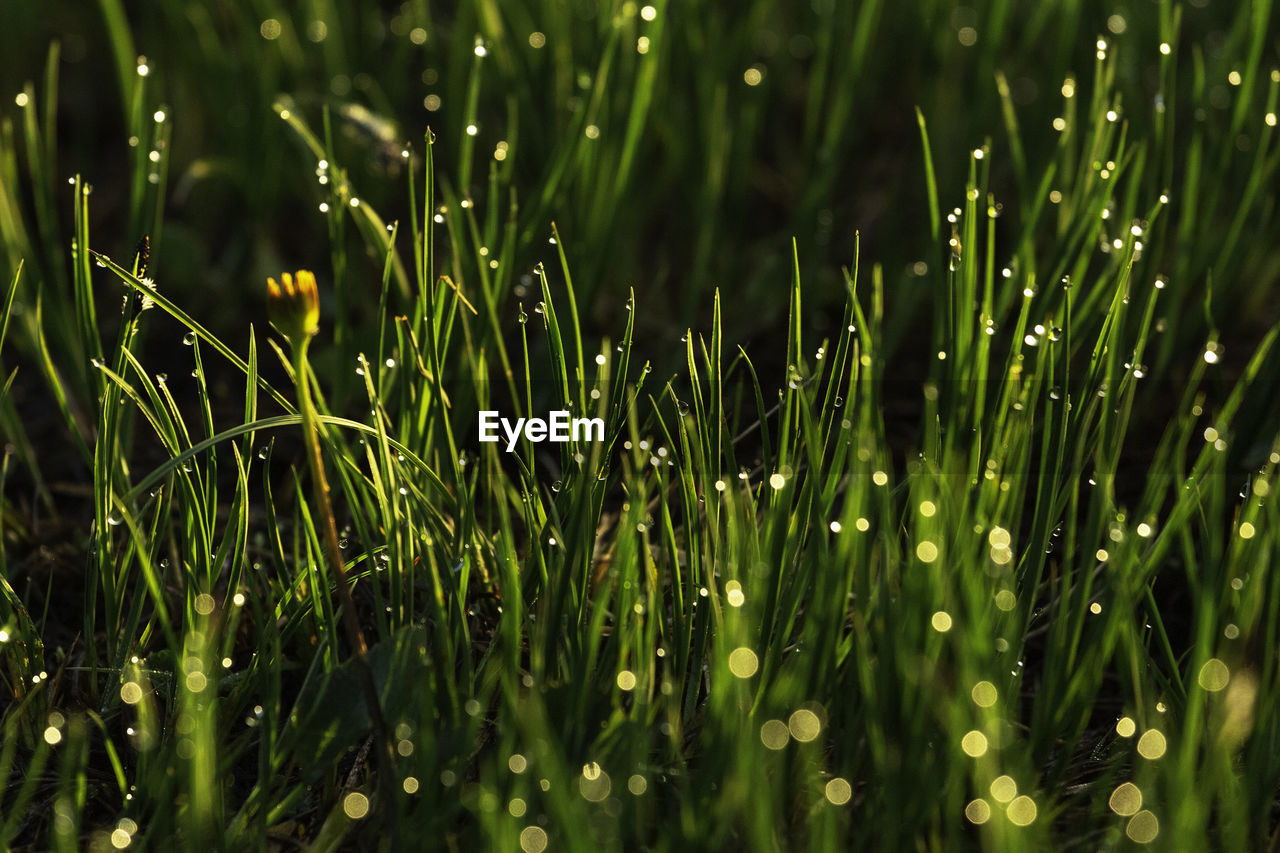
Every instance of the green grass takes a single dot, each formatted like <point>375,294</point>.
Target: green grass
<point>933,510</point>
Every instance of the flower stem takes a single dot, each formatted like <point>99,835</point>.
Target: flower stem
<point>350,621</point>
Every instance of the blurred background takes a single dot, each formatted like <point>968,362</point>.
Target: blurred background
<point>678,147</point>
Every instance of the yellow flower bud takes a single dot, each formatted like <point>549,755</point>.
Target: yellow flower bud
<point>294,305</point>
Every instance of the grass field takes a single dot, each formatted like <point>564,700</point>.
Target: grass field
<point>934,346</point>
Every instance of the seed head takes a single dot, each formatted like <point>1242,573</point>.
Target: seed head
<point>294,305</point>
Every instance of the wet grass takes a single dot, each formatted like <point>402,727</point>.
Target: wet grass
<point>943,522</point>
